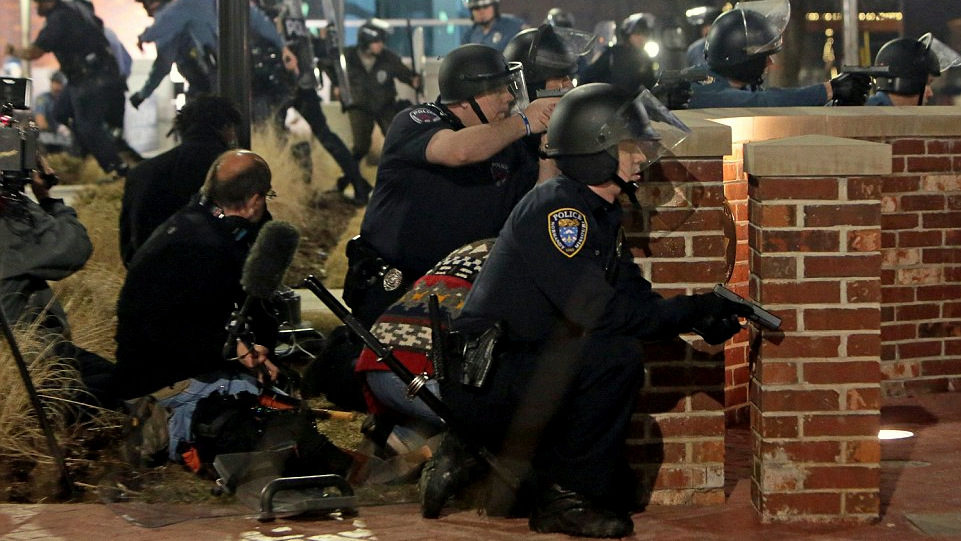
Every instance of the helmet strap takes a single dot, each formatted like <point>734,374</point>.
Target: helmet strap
<point>477,110</point>
<point>629,189</point>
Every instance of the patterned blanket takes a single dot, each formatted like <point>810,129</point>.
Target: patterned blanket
<point>405,326</point>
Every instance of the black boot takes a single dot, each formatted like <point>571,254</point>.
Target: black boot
<point>450,470</point>
<point>565,511</point>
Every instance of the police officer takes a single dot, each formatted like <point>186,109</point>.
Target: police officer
<point>491,27</point>
<point>372,69</point>
<point>301,94</point>
<point>450,173</point>
<point>701,18</point>
<point>548,56</point>
<point>185,33</point>
<point>573,310</point>
<point>912,65</point>
<point>625,64</point>
<point>738,51</point>
<point>75,36</point>
<point>560,18</point>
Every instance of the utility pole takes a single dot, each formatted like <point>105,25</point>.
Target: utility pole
<point>850,14</point>
<point>233,62</point>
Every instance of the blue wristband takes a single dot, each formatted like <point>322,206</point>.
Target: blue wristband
<point>527,123</point>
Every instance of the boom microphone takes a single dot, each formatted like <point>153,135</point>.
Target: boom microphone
<point>269,258</point>
<point>263,272</point>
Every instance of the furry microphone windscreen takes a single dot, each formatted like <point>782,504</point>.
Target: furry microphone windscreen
<point>269,258</point>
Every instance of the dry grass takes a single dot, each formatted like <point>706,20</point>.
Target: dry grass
<point>90,295</point>
<point>57,383</point>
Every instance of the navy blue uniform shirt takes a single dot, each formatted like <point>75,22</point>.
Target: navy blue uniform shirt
<point>719,93</point>
<point>419,212</point>
<point>550,273</point>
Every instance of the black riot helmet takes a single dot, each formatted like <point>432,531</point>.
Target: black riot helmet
<point>635,23</point>
<point>909,63</point>
<point>543,54</point>
<point>371,31</point>
<point>472,4</point>
<point>470,70</point>
<point>591,120</point>
<point>739,44</point>
<point>559,17</point>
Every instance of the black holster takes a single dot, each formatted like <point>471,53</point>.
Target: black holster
<point>371,284</point>
<point>479,353</point>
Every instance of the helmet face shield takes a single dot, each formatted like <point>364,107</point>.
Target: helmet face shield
<point>579,42</point>
<point>648,122</point>
<point>777,13</point>
<point>947,57</point>
<point>517,87</point>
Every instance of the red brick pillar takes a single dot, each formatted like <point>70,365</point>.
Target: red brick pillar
<point>815,240</point>
<point>676,443</point>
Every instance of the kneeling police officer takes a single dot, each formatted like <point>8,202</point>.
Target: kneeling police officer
<point>572,311</point>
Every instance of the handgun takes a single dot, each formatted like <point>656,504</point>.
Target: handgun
<point>870,71</point>
<point>690,74</point>
<point>758,314</point>
<point>552,93</point>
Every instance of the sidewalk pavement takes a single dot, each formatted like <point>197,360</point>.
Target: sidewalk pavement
<point>919,494</point>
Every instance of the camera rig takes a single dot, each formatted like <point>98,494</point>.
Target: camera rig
<point>18,134</point>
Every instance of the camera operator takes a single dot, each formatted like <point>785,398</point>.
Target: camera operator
<point>41,241</point>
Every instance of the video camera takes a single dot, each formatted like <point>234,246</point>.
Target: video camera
<point>18,135</point>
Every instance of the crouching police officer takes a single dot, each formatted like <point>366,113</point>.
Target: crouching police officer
<point>912,66</point>
<point>738,50</point>
<point>572,311</point>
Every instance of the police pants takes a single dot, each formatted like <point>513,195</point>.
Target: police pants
<point>307,104</point>
<point>91,101</point>
<point>362,126</point>
<point>564,409</point>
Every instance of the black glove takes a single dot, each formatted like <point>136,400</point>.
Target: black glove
<point>674,95</point>
<point>715,318</point>
<point>851,88</point>
<point>136,99</point>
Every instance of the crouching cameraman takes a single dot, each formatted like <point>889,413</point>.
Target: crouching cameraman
<point>41,241</point>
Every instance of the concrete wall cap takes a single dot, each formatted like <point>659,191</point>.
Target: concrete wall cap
<point>816,155</point>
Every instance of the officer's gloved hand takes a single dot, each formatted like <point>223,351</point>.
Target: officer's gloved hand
<point>716,318</point>
<point>675,95</point>
<point>136,99</point>
<point>851,88</point>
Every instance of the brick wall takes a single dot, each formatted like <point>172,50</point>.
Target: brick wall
<point>861,261</point>
<point>921,267</point>
<point>815,260</point>
<point>677,438</point>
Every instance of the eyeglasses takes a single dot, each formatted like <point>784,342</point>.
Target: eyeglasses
<point>270,194</point>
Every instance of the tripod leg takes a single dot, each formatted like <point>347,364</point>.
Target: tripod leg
<point>66,485</point>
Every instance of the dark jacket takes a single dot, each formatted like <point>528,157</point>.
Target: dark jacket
<point>38,243</point>
<point>375,89</point>
<point>159,187</point>
<point>177,299</point>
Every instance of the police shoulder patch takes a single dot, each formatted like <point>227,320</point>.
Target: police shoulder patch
<point>424,114</point>
<point>567,228</point>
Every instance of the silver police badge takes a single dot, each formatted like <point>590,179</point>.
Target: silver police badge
<point>393,278</point>
<point>568,230</point>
